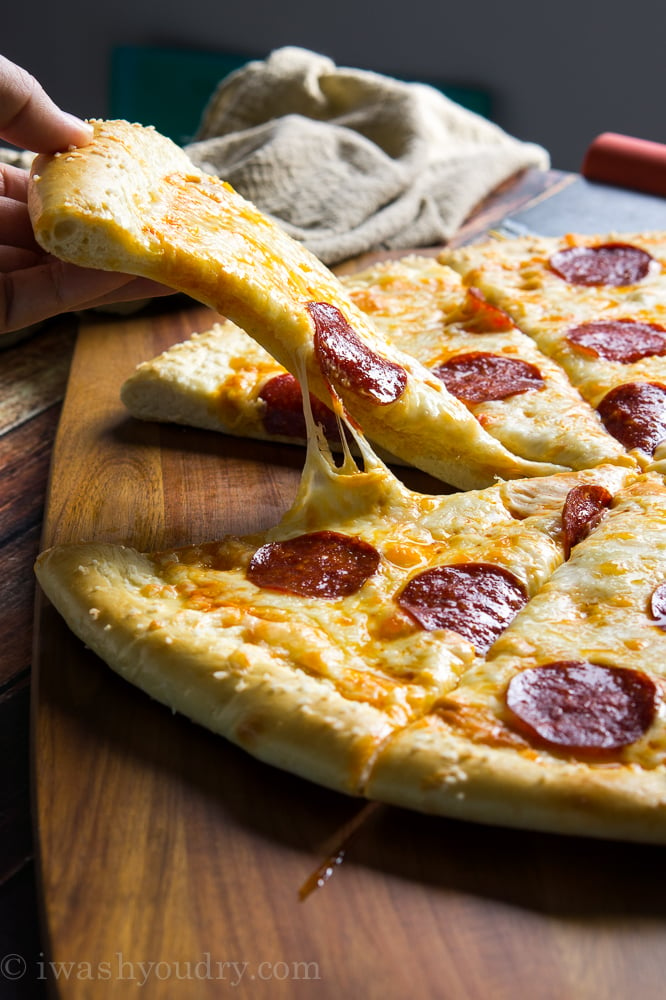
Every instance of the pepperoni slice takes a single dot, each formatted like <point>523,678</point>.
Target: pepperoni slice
<point>477,315</point>
<point>605,264</point>
<point>635,414</point>
<point>583,509</point>
<point>283,412</point>
<point>346,362</point>
<point>479,376</point>
<point>476,600</point>
<point>320,564</point>
<point>583,706</point>
<point>658,605</point>
<point>622,340</point>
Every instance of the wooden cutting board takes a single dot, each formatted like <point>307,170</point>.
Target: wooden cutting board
<point>161,843</point>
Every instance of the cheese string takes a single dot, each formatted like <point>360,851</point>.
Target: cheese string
<point>317,445</point>
<point>341,843</point>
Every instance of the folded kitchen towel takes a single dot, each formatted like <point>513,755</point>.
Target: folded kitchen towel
<point>348,160</point>
<point>16,157</point>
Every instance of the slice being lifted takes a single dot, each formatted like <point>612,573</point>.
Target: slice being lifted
<point>223,380</point>
<point>132,201</point>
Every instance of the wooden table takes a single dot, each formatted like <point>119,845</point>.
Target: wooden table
<point>421,907</point>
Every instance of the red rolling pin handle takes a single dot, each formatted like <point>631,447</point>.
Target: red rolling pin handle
<point>627,162</point>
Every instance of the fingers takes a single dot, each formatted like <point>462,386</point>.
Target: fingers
<point>18,258</point>
<point>30,119</point>
<point>15,226</point>
<point>133,291</point>
<point>13,183</point>
<point>36,293</point>
<point>34,286</point>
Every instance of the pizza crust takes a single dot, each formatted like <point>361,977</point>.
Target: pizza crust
<point>208,381</point>
<point>462,759</point>
<point>214,676</point>
<point>428,767</point>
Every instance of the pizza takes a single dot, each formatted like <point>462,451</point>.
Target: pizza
<point>132,201</point>
<point>494,654</point>
<point>223,380</point>
<point>597,306</point>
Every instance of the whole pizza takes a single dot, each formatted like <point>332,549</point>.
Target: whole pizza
<point>493,652</point>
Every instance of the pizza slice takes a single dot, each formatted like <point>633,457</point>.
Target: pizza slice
<point>223,380</point>
<point>321,645</point>
<point>563,722</point>
<point>132,201</point>
<point>597,306</point>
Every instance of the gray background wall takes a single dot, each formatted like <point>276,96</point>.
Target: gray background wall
<point>560,72</point>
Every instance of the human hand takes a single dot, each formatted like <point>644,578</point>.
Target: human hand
<point>33,284</point>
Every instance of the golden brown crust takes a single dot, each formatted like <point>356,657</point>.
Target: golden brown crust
<point>211,380</point>
<point>431,768</point>
<point>113,600</point>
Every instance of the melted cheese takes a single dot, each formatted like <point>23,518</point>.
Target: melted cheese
<point>350,690</point>
<point>515,275</point>
<point>364,644</point>
<point>182,227</point>
<point>595,607</point>
<point>417,305</point>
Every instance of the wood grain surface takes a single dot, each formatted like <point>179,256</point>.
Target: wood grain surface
<point>172,861</point>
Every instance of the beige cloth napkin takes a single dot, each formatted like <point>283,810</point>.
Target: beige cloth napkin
<point>349,160</point>
<point>16,157</point>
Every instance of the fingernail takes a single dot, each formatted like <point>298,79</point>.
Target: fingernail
<point>84,129</point>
